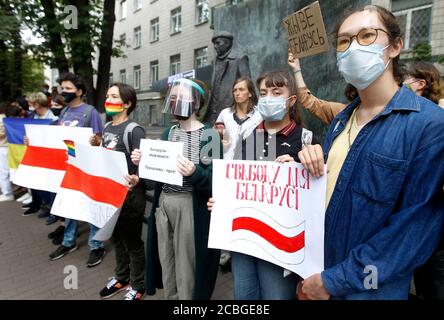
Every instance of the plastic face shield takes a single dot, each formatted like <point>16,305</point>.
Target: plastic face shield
<point>183,98</point>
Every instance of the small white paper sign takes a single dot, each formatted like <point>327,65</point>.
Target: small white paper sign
<point>159,161</point>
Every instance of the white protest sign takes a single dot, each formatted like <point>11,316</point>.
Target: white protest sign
<point>272,211</point>
<point>159,161</point>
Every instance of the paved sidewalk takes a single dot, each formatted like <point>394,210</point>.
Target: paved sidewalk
<point>27,273</point>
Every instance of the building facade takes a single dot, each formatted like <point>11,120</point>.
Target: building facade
<point>160,38</point>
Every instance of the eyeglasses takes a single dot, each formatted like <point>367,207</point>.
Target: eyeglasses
<point>406,81</point>
<point>365,37</point>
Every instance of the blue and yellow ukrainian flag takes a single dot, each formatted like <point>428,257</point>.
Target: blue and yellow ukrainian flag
<point>15,131</point>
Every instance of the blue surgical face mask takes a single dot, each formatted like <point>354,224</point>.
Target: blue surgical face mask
<point>272,108</point>
<point>361,65</point>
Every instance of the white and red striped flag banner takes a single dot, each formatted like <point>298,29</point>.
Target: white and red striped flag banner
<point>93,188</point>
<point>44,163</point>
<point>272,211</point>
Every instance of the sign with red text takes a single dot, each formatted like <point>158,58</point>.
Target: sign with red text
<point>272,211</point>
<point>306,31</point>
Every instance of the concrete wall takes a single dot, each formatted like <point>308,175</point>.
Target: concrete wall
<point>259,33</point>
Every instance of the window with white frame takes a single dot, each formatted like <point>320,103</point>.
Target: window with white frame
<point>123,9</point>
<point>175,64</point>
<point>122,76</point>
<point>122,40</point>
<point>154,34</point>
<point>414,18</point>
<point>137,76</point>
<point>137,5</point>
<point>154,71</point>
<point>176,20</point>
<point>200,57</point>
<point>137,37</point>
<point>202,11</point>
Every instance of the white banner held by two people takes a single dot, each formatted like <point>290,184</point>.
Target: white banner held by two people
<point>272,211</point>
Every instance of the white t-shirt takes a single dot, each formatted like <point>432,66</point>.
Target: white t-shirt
<point>237,129</point>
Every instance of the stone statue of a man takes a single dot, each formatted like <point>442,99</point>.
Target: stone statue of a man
<point>226,69</point>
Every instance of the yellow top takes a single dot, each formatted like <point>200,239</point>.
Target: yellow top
<point>338,152</point>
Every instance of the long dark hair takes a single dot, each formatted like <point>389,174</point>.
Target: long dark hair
<point>252,101</point>
<point>281,79</point>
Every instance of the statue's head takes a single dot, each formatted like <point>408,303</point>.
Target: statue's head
<point>223,42</point>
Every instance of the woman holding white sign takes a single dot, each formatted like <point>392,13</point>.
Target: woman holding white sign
<point>282,137</point>
<point>178,226</point>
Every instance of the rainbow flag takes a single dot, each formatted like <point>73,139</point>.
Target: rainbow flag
<point>71,148</point>
<point>15,131</point>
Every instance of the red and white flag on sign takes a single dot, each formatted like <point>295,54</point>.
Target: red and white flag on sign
<point>278,241</point>
<point>93,188</point>
<point>44,163</point>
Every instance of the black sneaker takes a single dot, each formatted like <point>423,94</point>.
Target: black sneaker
<point>51,219</point>
<point>57,232</point>
<point>30,211</point>
<point>113,287</point>
<point>95,257</point>
<point>61,252</point>
<point>58,240</point>
<point>27,206</point>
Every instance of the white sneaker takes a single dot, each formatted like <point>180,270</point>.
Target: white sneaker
<point>4,198</point>
<point>24,197</point>
<point>225,256</point>
<point>133,294</point>
<point>28,200</point>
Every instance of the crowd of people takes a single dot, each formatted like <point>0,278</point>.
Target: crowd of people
<point>385,179</point>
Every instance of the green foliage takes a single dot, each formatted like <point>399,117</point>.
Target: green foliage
<point>33,74</point>
<point>422,52</point>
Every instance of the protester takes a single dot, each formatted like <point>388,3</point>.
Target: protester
<point>57,104</point>
<point>254,278</point>
<point>121,100</point>
<point>423,78</point>
<point>380,148</point>
<point>5,184</point>
<point>178,224</point>
<point>41,200</point>
<point>237,123</point>
<point>78,114</point>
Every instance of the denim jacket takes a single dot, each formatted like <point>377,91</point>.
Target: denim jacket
<point>386,212</point>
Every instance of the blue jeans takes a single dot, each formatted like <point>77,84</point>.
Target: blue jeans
<point>70,235</point>
<point>257,279</point>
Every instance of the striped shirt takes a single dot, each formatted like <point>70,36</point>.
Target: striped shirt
<point>191,150</point>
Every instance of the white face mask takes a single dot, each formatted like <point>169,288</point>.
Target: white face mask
<point>361,65</point>
<point>272,108</point>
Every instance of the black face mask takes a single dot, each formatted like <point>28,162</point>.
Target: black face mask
<point>55,111</point>
<point>180,117</point>
<point>68,96</point>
